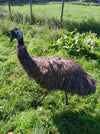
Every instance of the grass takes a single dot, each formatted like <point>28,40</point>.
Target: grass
<point>75,17</point>
<point>18,93</point>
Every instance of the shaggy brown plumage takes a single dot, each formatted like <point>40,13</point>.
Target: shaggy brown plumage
<point>54,72</point>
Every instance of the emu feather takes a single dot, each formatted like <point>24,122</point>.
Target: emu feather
<point>54,72</point>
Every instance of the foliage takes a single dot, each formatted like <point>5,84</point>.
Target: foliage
<point>95,1</point>
<point>43,1</point>
<point>76,44</point>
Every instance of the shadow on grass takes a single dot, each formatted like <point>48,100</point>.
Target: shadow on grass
<point>71,25</point>
<point>83,26</point>
<point>38,2</point>
<point>76,123</point>
<point>84,3</point>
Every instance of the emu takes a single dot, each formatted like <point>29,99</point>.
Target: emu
<point>54,72</point>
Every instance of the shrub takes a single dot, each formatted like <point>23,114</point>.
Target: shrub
<point>76,44</point>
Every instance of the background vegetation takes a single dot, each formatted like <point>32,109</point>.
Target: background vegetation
<point>26,1</point>
<point>78,39</point>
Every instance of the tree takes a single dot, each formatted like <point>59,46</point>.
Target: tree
<point>98,1</point>
<point>9,7</point>
<point>31,16</point>
<point>62,13</point>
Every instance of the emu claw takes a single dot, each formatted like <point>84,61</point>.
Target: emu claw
<point>37,104</point>
<point>67,103</point>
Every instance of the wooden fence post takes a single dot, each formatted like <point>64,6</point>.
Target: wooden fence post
<point>9,7</point>
<point>31,16</point>
<point>62,13</point>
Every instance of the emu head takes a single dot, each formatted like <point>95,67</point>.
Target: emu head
<point>15,34</point>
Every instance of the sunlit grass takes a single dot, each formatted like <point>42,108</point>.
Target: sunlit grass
<point>18,93</point>
<point>72,11</point>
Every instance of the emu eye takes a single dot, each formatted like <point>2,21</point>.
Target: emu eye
<point>17,32</point>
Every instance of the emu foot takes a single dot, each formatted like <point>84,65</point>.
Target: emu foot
<point>66,97</point>
<point>67,103</point>
<point>45,94</point>
<point>33,103</point>
<point>37,104</point>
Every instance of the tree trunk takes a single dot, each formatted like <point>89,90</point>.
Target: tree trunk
<point>62,13</point>
<point>9,7</point>
<point>31,17</point>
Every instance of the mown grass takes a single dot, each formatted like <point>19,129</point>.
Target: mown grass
<point>75,17</point>
<point>18,93</point>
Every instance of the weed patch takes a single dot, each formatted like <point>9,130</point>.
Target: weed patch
<point>77,44</point>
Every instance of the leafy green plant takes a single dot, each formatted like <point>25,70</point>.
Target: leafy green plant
<point>75,43</point>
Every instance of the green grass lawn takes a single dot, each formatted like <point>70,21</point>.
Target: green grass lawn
<point>18,93</point>
<point>77,15</point>
<point>72,10</point>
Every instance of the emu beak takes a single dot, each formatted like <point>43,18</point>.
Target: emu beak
<point>11,37</point>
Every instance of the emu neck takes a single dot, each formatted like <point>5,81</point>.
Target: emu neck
<point>22,53</point>
<point>25,59</point>
<point>20,42</point>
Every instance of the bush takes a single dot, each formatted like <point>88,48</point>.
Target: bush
<point>76,44</point>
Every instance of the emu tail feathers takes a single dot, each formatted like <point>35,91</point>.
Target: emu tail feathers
<point>87,85</point>
<point>82,83</point>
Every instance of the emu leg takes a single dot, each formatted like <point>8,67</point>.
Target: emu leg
<point>45,94</point>
<point>66,97</point>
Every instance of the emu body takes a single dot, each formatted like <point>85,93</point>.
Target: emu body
<point>54,72</point>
